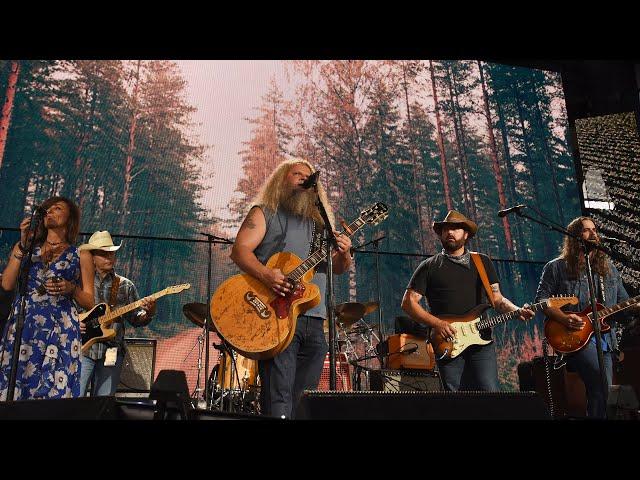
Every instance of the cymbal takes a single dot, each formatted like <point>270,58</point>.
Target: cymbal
<point>370,307</point>
<point>197,312</point>
<point>350,312</point>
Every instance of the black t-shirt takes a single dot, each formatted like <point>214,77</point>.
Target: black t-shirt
<point>451,288</point>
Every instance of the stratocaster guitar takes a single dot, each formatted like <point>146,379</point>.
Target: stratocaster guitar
<point>260,324</point>
<point>101,317</point>
<point>468,326</point>
<point>566,340</point>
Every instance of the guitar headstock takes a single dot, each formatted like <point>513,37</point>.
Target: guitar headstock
<point>177,288</point>
<point>562,300</point>
<point>375,213</point>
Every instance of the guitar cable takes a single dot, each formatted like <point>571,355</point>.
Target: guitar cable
<point>547,373</point>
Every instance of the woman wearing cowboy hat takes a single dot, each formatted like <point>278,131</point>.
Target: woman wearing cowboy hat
<point>102,364</point>
<point>451,284</point>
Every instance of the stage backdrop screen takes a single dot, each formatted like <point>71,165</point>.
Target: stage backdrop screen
<point>170,149</point>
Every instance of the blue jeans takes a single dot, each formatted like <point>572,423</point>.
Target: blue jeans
<point>297,368</point>
<point>104,379</point>
<point>585,363</point>
<point>474,369</point>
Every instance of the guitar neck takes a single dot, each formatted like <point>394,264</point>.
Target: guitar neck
<point>319,255</point>
<point>493,321</point>
<point>605,312</point>
<point>118,312</point>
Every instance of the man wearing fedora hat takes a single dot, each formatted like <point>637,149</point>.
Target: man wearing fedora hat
<point>451,284</point>
<point>102,364</point>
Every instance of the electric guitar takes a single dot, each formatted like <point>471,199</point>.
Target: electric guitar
<point>566,340</point>
<point>256,321</point>
<point>468,326</point>
<point>101,317</point>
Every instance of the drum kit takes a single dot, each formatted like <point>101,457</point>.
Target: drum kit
<point>356,339</point>
<point>234,383</point>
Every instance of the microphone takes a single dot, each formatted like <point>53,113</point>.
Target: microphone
<point>611,239</point>
<point>311,181</point>
<point>40,211</point>
<point>507,211</point>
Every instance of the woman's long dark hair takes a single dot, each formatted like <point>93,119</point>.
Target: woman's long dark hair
<point>73,223</point>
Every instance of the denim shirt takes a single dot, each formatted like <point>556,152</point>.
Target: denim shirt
<point>555,281</point>
<point>127,293</point>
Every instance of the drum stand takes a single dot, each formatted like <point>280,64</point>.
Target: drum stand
<point>196,393</point>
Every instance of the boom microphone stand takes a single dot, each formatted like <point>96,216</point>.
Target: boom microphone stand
<point>376,246</point>
<point>211,239</point>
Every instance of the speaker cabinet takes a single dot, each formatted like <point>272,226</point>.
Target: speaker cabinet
<point>138,368</point>
<point>334,405</point>
<point>404,381</point>
<point>422,359</point>
<point>567,389</point>
<point>343,373</point>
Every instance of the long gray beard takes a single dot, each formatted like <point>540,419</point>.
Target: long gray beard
<point>301,203</point>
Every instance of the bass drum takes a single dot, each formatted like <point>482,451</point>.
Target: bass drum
<point>234,384</point>
<point>240,373</point>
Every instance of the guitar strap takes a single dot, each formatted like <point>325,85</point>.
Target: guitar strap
<point>475,256</point>
<point>316,238</point>
<point>113,295</point>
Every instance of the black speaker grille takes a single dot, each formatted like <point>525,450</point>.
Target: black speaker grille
<point>139,365</point>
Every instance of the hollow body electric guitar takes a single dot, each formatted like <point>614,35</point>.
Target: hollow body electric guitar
<point>566,340</point>
<point>256,321</point>
<point>468,326</point>
<point>99,319</point>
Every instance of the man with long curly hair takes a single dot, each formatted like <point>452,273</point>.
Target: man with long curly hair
<point>567,275</point>
<point>284,217</point>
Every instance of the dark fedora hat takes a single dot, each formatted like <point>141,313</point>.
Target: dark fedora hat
<point>454,218</point>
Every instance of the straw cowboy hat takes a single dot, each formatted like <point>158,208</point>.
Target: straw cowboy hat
<point>454,217</point>
<point>101,240</point>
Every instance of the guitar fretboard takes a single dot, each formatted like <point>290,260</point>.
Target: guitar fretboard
<point>118,312</point>
<point>605,312</point>
<point>493,321</point>
<point>319,255</point>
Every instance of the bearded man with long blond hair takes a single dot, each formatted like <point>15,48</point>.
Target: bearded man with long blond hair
<point>284,217</point>
<point>566,275</point>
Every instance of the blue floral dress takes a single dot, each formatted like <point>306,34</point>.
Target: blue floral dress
<point>49,362</point>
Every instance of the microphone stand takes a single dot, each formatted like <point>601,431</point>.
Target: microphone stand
<point>330,242</point>
<point>211,239</point>
<point>376,246</point>
<point>587,247</point>
<point>23,281</point>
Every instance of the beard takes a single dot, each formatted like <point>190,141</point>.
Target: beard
<point>298,202</point>
<point>451,245</point>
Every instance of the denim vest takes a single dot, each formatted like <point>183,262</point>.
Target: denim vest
<point>291,233</point>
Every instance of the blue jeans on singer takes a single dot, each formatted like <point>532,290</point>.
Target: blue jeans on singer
<point>297,368</point>
<point>105,379</point>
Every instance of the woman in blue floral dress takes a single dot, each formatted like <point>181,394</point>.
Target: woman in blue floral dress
<point>49,358</point>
